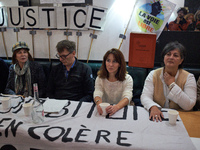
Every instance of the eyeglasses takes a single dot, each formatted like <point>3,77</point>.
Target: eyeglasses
<point>62,56</point>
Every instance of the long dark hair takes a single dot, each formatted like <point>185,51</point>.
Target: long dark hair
<point>121,73</point>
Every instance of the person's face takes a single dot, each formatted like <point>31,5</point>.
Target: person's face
<point>66,57</point>
<point>111,64</point>
<point>173,59</point>
<point>190,19</point>
<point>180,14</point>
<point>22,56</point>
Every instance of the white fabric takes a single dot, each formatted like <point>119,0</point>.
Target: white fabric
<point>113,92</point>
<point>185,98</point>
<point>74,129</point>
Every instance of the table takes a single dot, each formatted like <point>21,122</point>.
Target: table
<point>79,126</point>
<point>191,121</point>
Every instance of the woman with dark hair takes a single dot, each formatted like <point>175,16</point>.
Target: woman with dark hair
<point>24,72</point>
<point>113,84</point>
<point>169,86</point>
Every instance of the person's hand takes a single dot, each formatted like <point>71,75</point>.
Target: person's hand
<point>178,19</point>
<point>168,78</point>
<point>155,114</point>
<point>112,109</point>
<point>100,111</point>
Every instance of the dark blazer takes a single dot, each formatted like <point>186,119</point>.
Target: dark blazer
<point>37,76</point>
<point>3,75</point>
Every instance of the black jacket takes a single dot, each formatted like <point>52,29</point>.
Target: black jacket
<point>79,86</point>
<point>3,75</point>
<point>37,76</point>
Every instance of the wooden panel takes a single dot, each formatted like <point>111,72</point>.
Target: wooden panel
<point>191,121</point>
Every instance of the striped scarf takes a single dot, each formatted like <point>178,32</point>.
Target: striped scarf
<point>19,86</point>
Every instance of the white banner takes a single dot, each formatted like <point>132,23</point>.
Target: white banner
<point>15,17</point>
<point>151,16</point>
<point>78,126</point>
<point>47,17</point>
<point>31,17</point>
<point>61,1</point>
<point>96,18</point>
<point>62,15</point>
<point>78,18</point>
<point>3,19</point>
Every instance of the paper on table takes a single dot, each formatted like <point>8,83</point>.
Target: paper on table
<point>53,105</point>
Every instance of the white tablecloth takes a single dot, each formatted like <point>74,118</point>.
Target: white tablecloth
<point>78,126</point>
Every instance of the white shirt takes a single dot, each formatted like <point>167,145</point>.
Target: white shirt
<point>185,98</point>
<point>113,92</point>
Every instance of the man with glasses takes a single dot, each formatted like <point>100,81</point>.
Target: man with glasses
<point>70,79</point>
<point>180,24</point>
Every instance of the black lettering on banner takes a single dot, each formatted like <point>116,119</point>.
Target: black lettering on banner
<point>52,115</point>
<point>65,138</point>
<point>77,109</point>
<point>17,109</point>
<point>143,15</point>
<point>99,135</point>
<point>65,15</point>
<point>4,119</point>
<point>34,20</point>
<point>46,133</point>
<point>11,18</point>
<point>123,117</point>
<point>93,17</point>
<point>135,114</point>
<point>8,147</point>
<point>79,134</point>
<point>13,128</point>
<point>1,24</point>
<point>32,133</point>
<point>75,14</point>
<point>119,138</point>
<point>91,111</point>
<point>48,15</point>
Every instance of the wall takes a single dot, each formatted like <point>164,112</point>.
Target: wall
<point>117,18</point>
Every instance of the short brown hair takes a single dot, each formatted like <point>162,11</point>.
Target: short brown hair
<point>121,73</point>
<point>14,60</point>
<point>66,44</point>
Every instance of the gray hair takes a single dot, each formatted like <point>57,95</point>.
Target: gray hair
<point>66,44</point>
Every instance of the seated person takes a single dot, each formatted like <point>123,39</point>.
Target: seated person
<point>24,72</point>
<point>180,24</point>
<point>3,75</point>
<point>113,85</point>
<point>197,28</point>
<point>70,79</point>
<point>194,26</point>
<point>197,106</point>
<point>169,86</point>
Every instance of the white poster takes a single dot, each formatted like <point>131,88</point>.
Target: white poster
<point>47,17</point>
<point>96,18</point>
<point>151,16</point>
<point>78,18</point>
<point>62,15</point>
<point>31,19</point>
<point>15,16</point>
<point>61,1</point>
<point>3,18</point>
